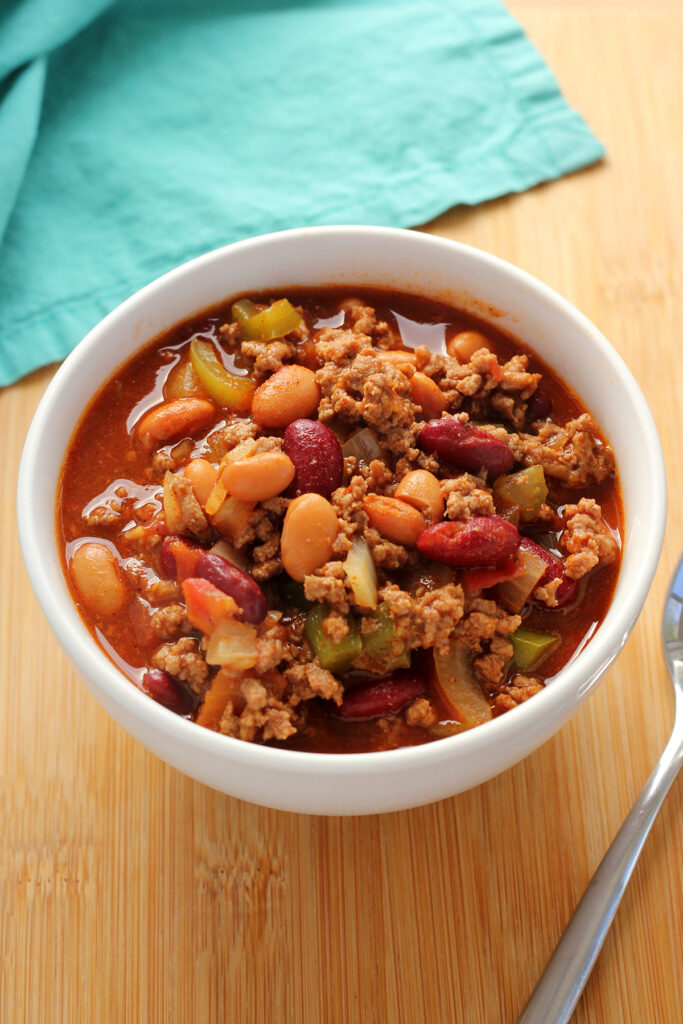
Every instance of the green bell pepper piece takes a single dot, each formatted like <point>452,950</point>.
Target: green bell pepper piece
<point>271,323</point>
<point>229,390</point>
<point>334,657</point>
<point>531,646</point>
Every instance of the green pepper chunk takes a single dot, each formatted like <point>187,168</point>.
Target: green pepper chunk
<point>229,390</point>
<point>526,489</point>
<point>271,323</point>
<point>382,650</point>
<point>335,657</point>
<point>242,310</point>
<point>531,646</point>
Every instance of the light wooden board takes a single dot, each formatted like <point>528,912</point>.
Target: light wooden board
<point>129,893</point>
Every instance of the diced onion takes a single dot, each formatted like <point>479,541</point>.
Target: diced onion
<point>361,574</point>
<point>459,687</point>
<point>362,446</point>
<point>233,644</point>
<point>515,593</point>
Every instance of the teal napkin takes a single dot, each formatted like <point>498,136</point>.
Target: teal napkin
<point>137,134</point>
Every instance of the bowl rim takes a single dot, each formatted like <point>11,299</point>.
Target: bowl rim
<point>97,667</point>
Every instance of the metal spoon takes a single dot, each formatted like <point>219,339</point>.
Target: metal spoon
<point>558,990</point>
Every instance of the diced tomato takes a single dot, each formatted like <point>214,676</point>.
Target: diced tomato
<point>481,579</point>
<point>179,557</point>
<point>206,604</point>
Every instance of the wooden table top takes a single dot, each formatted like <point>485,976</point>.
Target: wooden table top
<point>131,893</point>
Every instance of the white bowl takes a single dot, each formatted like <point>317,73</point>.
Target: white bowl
<point>420,263</point>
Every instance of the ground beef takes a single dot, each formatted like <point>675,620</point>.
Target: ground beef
<point>335,349</point>
<point>353,520</point>
<point>329,584</point>
<point>272,644</point>
<point>191,519</point>
<point>427,620</point>
<point>587,538</point>
<point>266,357</point>
<point>222,441</point>
<point>171,621</point>
<point>519,689</point>
<point>264,716</point>
<point>105,516</point>
<point>372,392</point>
<point>467,496</point>
<point>262,533</point>
<point>143,579</point>
<point>184,661</point>
<point>485,629</point>
<point>422,713</point>
<point>546,593</point>
<point>310,679</point>
<point>574,454</point>
<point>335,626</point>
<point>362,320</point>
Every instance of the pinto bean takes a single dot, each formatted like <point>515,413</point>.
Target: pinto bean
<point>232,581</point>
<point>292,393</point>
<point>202,475</point>
<point>258,477</point>
<point>98,579</point>
<point>308,535</point>
<point>568,589</point>
<point>317,457</point>
<point>466,447</point>
<point>396,356</point>
<point>421,489</point>
<point>479,541</point>
<point>181,417</point>
<point>395,519</point>
<point>428,395</point>
<point>462,346</point>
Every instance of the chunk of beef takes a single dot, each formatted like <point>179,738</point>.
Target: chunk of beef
<point>587,538</point>
<point>171,621</point>
<point>421,712</point>
<point>191,519</point>
<point>519,689</point>
<point>467,496</point>
<point>427,620</point>
<point>183,660</point>
<point>310,679</point>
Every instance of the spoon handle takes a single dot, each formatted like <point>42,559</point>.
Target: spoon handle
<point>558,990</point>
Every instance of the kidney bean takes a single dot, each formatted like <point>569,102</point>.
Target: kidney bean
<point>466,447</point>
<point>317,457</point>
<point>385,697</point>
<point>539,406</point>
<point>235,583</point>
<point>568,589</point>
<point>479,541</point>
<point>166,690</point>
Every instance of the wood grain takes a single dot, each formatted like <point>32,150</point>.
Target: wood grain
<point>130,893</point>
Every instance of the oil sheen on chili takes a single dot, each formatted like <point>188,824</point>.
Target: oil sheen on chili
<point>339,520</point>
